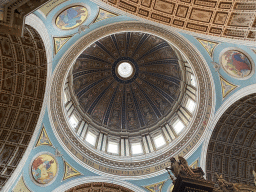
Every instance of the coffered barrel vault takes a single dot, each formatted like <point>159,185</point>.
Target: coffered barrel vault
<point>223,18</point>
<point>232,147</point>
<point>23,70</point>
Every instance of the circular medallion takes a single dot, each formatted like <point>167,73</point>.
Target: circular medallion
<point>44,169</point>
<point>236,64</point>
<point>71,17</point>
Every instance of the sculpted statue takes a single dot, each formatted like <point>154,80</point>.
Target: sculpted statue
<point>181,168</point>
<point>225,186</point>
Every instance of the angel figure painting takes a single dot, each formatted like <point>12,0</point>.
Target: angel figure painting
<point>44,169</point>
<point>71,17</point>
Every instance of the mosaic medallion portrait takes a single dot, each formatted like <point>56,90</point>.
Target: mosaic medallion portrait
<point>71,17</point>
<point>236,64</point>
<point>44,169</point>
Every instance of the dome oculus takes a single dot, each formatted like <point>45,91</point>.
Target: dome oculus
<point>125,69</point>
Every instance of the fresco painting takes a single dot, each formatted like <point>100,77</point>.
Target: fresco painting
<point>226,87</point>
<point>21,186</point>
<point>208,45</point>
<point>236,64</point>
<point>44,169</point>
<point>70,171</point>
<point>43,139</point>
<point>71,17</point>
<point>195,164</point>
<point>103,14</point>
<point>59,42</point>
<point>156,187</point>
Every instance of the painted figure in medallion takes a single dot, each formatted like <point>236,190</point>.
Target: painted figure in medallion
<point>71,17</point>
<point>44,169</point>
<point>236,64</point>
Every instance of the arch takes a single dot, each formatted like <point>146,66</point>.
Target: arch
<point>231,100</point>
<point>100,180</point>
<point>229,148</point>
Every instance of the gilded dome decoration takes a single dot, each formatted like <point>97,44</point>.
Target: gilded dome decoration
<point>127,81</point>
<point>132,95</point>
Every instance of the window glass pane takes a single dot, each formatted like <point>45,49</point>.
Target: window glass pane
<point>159,141</point>
<point>73,121</point>
<point>193,81</point>
<point>65,98</point>
<point>112,147</point>
<point>90,138</point>
<point>191,105</point>
<point>136,148</point>
<point>178,126</point>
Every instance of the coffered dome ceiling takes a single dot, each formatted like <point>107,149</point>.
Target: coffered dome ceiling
<point>127,81</point>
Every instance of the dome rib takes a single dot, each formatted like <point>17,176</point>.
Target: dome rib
<point>83,91</point>
<point>154,49</point>
<point>141,42</point>
<point>106,116</point>
<point>157,112</point>
<point>163,93</point>
<point>161,62</point>
<point>95,102</point>
<point>85,56</point>
<point>128,37</point>
<point>82,73</point>
<point>104,49</point>
<point>113,38</point>
<point>142,123</point>
<point>124,109</point>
